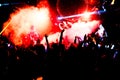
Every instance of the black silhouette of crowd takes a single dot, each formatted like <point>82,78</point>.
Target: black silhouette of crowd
<point>94,58</point>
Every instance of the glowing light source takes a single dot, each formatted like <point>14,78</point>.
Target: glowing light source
<point>113,1</point>
<point>80,15</point>
<point>86,16</point>
<point>5,28</point>
<point>39,78</point>
<point>18,28</point>
<point>91,1</point>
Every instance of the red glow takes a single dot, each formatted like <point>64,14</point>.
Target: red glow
<point>86,16</point>
<point>28,24</point>
<point>91,1</point>
<point>19,30</point>
<point>78,29</point>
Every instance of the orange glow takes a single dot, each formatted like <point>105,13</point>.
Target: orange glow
<point>26,25</point>
<point>39,78</point>
<point>91,1</point>
<point>20,23</point>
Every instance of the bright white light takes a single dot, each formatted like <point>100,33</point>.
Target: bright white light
<point>86,15</point>
<point>113,1</point>
<point>101,31</point>
<point>99,45</point>
<point>112,46</point>
<point>107,46</point>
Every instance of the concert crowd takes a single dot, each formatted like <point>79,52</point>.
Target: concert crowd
<point>93,58</point>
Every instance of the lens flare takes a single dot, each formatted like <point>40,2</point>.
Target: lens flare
<point>28,25</point>
<point>113,1</point>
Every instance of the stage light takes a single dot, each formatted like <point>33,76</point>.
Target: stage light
<point>85,14</point>
<point>113,1</point>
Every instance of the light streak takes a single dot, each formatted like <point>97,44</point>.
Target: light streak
<point>7,4</point>
<point>83,14</point>
<point>5,28</point>
<point>113,1</point>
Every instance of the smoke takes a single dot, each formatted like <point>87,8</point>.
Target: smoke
<point>29,24</point>
<point>80,29</point>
